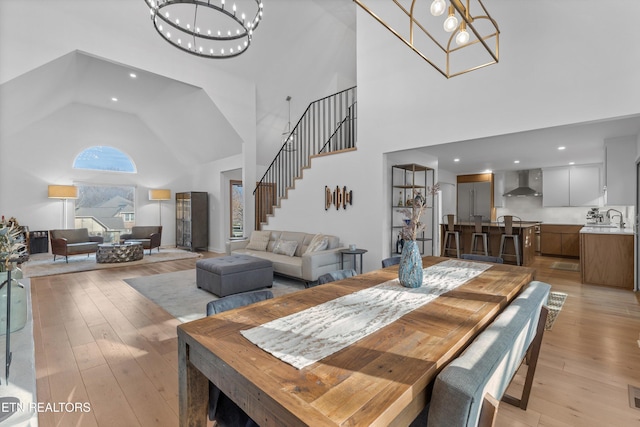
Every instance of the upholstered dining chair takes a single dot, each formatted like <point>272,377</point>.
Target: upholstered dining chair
<point>221,408</point>
<point>336,275</point>
<point>388,262</point>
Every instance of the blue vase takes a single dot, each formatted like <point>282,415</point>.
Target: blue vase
<point>410,269</point>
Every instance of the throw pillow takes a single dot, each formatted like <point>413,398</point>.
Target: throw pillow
<point>319,242</point>
<point>285,247</point>
<point>259,240</point>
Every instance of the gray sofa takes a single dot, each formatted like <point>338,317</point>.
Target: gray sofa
<point>303,266</point>
<point>73,242</point>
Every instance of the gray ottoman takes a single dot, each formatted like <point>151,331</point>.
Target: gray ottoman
<point>233,274</point>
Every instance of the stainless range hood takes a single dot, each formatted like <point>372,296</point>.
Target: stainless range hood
<point>523,189</point>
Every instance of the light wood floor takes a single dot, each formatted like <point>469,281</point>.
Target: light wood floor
<point>99,341</point>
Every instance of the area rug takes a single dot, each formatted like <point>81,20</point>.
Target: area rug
<point>43,264</point>
<point>567,266</point>
<point>178,294</point>
<point>554,304</point>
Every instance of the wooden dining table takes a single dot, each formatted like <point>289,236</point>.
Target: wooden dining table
<point>383,379</point>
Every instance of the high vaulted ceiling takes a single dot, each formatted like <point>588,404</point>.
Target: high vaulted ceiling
<point>304,49</point>
<point>80,78</point>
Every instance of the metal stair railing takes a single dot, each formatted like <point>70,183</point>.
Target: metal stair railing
<point>327,125</point>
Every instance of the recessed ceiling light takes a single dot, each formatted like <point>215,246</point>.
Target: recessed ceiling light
<point>487,171</point>
<point>561,148</point>
<point>516,161</point>
<point>114,99</point>
<point>572,163</point>
<point>456,160</point>
<point>132,75</point>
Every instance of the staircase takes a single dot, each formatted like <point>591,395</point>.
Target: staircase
<point>327,126</point>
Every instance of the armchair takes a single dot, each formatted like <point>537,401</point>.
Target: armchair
<point>73,242</point>
<point>149,235</point>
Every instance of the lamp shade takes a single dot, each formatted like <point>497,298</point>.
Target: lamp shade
<point>63,192</point>
<point>159,194</point>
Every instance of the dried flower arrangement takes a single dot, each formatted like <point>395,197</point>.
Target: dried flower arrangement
<point>414,213</point>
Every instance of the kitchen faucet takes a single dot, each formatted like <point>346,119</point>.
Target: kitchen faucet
<point>618,214</point>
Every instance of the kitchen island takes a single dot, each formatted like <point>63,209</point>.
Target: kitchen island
<point>526,231</point>
<point>606,256</point>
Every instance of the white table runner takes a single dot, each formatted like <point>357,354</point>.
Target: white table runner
<point>303,338</point>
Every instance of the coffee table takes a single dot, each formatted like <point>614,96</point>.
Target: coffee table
<point>108,253</point>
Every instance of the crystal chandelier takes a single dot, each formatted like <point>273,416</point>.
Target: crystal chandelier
<point>465,40</point>
<point>210,29</point>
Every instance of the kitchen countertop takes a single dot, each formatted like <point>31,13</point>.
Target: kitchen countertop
<point>524,224</point>
<point>606,230</point>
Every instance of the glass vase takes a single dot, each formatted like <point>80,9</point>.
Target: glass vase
<point>410,269</point>
<point>18,302</point>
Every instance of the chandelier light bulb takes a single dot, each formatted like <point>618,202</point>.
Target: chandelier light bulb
<point>463,36</point>
<point>438,7</point>
<point>451,23</point>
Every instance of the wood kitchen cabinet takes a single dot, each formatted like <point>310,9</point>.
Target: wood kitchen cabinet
<point>607,258</point>
<point>560,239</point>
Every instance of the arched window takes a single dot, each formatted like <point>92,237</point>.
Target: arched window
<point>104,158</point>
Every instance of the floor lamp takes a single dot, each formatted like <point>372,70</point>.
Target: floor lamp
<point>160,195</point>
<point>63,192</point>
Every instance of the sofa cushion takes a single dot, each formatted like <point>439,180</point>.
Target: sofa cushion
<point>285,247</point>
<point>81,248</point>
<point>80,235</point>
<point>288,265</point>
<point>318,243</point>
<point>259,240</point>
<point>144,231</point>
<point>303,240</point>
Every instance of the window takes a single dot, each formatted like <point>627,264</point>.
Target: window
<point>105,210</point>
<point>237,209</point>
<point>104,158</point>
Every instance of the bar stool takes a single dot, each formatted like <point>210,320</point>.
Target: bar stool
<point>507,233</point>
<point>477,219</point>
<point>448,234</point>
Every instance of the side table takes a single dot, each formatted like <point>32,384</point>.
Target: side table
<point>354,252</point>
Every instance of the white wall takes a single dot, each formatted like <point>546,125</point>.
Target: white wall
<point>545,78</point>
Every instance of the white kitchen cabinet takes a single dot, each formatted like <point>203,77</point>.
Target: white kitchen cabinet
<point>620,156</point>
<point>572,186</point>
<point>584,186</point>
<point>555,187</point>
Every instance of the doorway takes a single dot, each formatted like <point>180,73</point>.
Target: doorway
<point>236,206</point>
<point>636,223</point>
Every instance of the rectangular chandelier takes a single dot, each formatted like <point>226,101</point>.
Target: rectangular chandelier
<point>455,36</point>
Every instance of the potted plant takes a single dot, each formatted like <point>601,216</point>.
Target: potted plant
<point>12,250</point>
